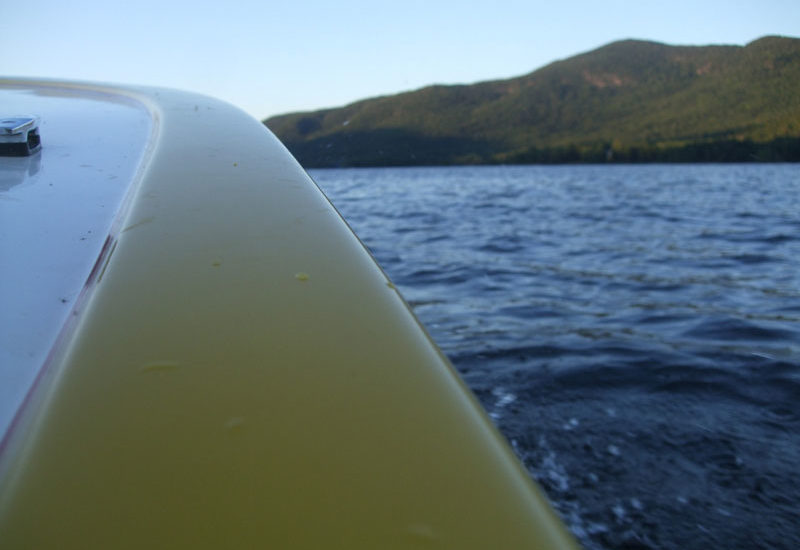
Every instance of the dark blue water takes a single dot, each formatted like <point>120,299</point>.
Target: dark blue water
<point>634,331</point>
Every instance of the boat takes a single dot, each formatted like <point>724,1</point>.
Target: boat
<point>199,353</point>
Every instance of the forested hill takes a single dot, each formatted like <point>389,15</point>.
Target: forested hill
<point>629,101</point>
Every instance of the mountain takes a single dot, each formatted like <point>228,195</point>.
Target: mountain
<point>629,101</point>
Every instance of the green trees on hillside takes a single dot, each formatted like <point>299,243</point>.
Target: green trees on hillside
<point>630,101</point>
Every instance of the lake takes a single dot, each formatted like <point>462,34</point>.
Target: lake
<point>633,331</point>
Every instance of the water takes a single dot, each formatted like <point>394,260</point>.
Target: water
<point>634,331</point>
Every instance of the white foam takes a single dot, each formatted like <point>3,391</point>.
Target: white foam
<point>571,425</point>
<point>503,399</point>
<point>619,513</point>
<point>552,470</point>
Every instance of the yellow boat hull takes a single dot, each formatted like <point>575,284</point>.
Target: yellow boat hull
<point>241,374</point>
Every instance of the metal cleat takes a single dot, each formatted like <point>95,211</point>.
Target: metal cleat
<point>19,136</point>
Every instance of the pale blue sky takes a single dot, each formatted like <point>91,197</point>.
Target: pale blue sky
<point>270,57</point>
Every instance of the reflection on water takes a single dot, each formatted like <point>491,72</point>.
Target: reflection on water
<point>634,331</point>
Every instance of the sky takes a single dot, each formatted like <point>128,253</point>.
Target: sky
<point>275,57</point>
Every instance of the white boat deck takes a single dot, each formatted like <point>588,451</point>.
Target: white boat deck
<point>57,208</point>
